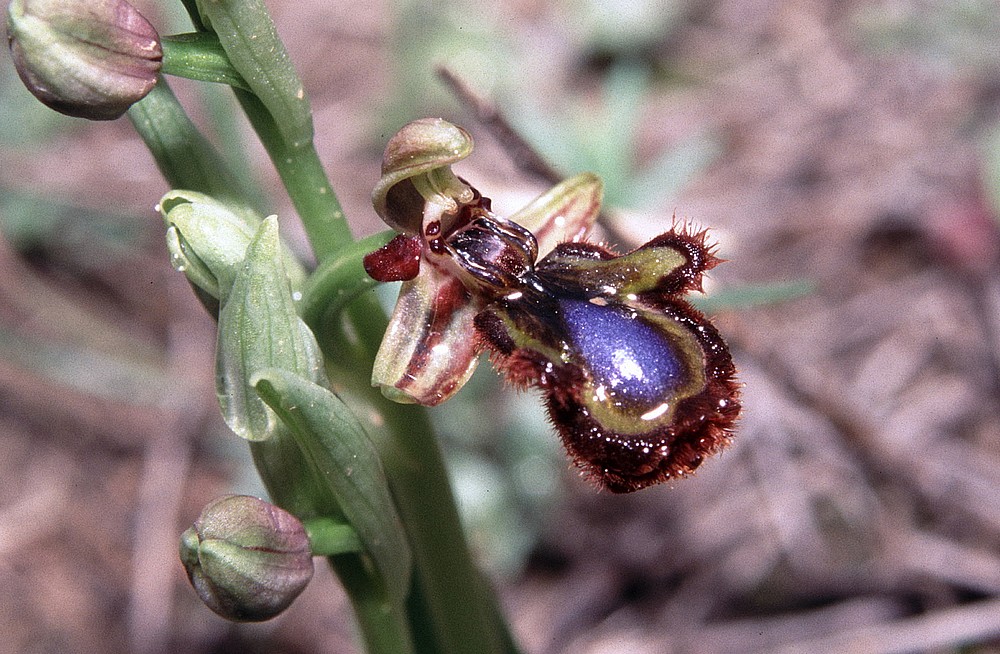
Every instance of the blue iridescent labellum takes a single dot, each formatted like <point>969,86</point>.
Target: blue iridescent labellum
<point>638,383</point>
<point>628,357</point>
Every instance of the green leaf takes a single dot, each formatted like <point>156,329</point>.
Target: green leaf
<point>665,177</point>
<point>260,329</point>
<point>753,295</point>
<point>333,440</point>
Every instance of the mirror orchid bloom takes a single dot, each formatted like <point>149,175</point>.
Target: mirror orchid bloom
<point>428,352</point>
<point>639,385</point>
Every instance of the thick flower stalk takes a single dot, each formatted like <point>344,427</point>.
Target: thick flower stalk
<point>639,384</point>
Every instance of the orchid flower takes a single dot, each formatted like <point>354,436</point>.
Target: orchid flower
<point>640,385</point>
<point>428,353</point>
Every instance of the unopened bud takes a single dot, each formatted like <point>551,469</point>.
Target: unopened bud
<point>247,559</point>
<point>86,58</point>
<point>208,238</point>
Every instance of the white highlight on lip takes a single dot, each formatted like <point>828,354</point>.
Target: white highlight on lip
<point>516,295</point>
<point>626,365</point>
<point>656,413</point>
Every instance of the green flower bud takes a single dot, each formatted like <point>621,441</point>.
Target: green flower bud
<point>247,559</point>
<point>86,58</point>
<point>208,238</point>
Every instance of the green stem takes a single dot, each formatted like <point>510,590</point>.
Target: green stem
<point>187,160</point>
<point>281,463</point>
<point>185,157</point>
<point>199,56</point>
<point>384,628</point>
<point>192,9</point>
<point>328,537</point>
<point>338,281</point>
<point>452,608</point>
<point>305,180</point>
<point>449,590</point>
<point>251,42</point>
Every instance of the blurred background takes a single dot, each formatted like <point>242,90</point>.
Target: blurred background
<point>846,156</point>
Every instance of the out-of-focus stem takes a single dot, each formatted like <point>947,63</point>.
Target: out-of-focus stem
<point>185,157</point>
<point>305,180</point>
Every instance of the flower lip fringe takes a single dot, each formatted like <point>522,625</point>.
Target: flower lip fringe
<point>639,384</point>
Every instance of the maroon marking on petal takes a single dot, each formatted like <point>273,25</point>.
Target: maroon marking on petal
<point>450,297</point>
<point>493,335</point>
<point>396,261</point>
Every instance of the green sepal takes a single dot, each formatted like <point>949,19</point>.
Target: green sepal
<point>428,352</point>
<point>637,272</point>
<point>566,212</point>
<point>335,443</point>
<point>250,39</point>
<point>260,329</point>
